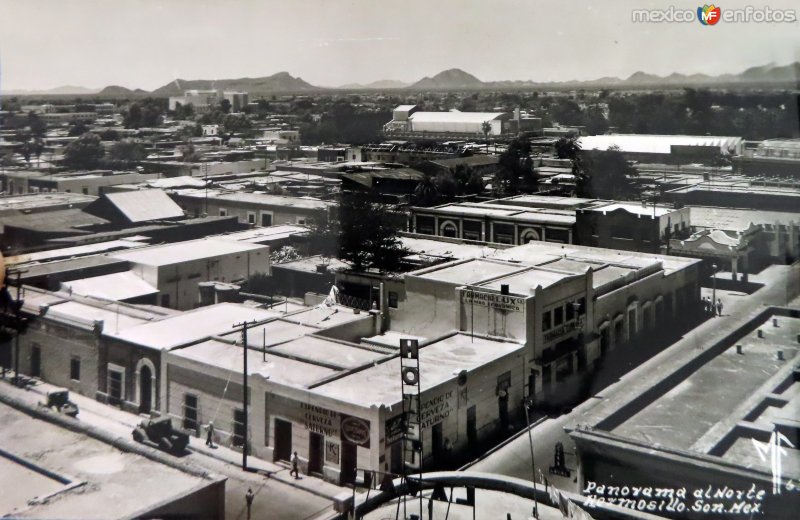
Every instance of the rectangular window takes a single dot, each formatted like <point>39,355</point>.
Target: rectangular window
<point>570,311</point>
<point>85,190</point>
<point>223,212</point>
<point>238,427</point>
<point>546,323</point>
<point>251,218</point>
<point>75,369</point>
<point>266,219</point>
<point>392,299</point>
<point>116,381</point>
<point>558,316</point>
<point>36,361</point>
<point>190,412</point>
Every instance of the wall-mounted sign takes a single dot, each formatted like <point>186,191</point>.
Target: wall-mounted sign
<point>355,430</point>
<point>435,409</point>
<point>331,452</point>
<point>501,302</point>
<point>394,429</point>
<point>320,420</point>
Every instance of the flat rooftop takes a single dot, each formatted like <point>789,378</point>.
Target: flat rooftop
<point>193,325</point>
<point>187,251</point>
<point>424,247</point>
<point>731,219</point>
<point>227,358</point>
<point>525,282</point>
<point>321,351</point>
<point>439,362</point>
<point>264,235</point>
<point>73,252</point>
<point>469,272</point>
<point>264,199</point>
<point>116,286</point>
<point>94,478</point>
<point>692,409</point>
<point>42,200</point>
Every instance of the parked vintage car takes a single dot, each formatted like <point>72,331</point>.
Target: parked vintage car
<point>58,400</point>
<point>160,434</point>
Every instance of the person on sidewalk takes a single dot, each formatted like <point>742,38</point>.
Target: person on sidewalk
<point>249,499</point>
<point>210,434</point>
<point>719,306</point>
<point>295,466</point>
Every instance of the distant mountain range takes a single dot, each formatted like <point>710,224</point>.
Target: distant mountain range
<point>770,75</point>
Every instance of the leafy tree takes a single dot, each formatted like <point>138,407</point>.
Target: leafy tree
<point>188,153</point>
<point>85,152</point>
<point>77,128</point>
<point>323,236</point>
<point>516,168</point>
<point>369,234</point>
<point>606,175</point>
<point>225,106</point>
<point>446,184</point>
<point>109,134</point>
<point>284,254</point>
<point>37,126</point>
<point>237,123</point>
<point>128,151</point>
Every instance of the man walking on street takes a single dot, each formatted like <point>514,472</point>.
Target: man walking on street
<point>295,466</point>
<point>249,499</point>
<point>210,434</point>
<point>719,306</point>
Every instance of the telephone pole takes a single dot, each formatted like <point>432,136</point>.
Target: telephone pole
<point>245,392</point>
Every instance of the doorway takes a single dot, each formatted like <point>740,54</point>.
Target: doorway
<point>145,389</point>
<point>283,440</point>
<point>36,361</point>
<point>316,452</point>
<point>502,403</point>
<point>438,444</point>
<point>349,462</point>
<point>472,427</point>
<point>396,465</point>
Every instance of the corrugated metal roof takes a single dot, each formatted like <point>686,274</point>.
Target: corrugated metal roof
<point>144,205</point>
<point>655,143</point>
<point>454,117</point>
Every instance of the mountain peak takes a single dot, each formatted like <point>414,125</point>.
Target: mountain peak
<point>449,79</point>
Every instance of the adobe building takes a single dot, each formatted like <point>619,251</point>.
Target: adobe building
<point>177,269</point>
<point>565,220</point>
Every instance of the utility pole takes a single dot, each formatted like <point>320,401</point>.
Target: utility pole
<point>245,392</point>
<point>17,324</point>
<point>525,403</point>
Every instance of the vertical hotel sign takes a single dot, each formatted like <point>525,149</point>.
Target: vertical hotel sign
<point>501,302</point>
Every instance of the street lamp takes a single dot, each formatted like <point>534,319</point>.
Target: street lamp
<point>713,285</point>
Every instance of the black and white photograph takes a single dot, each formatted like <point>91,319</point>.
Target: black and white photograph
<point>399,260</point>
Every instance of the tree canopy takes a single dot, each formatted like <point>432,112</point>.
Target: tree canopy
<point>85,152</point>
<point>368,237</point>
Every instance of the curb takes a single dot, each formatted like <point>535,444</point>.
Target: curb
<point>265,473</point>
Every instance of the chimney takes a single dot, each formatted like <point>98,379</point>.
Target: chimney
<point>760,333</point>
<point>774,322</point>
<point>739,349</point>
<point>504,289</point>
<point>780,355</point>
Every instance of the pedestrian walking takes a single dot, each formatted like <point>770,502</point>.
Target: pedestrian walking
<point>705,304</point>
<point>719,306</point>
<point>249,499</point>
<point>295,466</point>
<point>210,434</point>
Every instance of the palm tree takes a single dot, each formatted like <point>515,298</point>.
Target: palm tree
<point>426,192</point>
<point>486,127</point>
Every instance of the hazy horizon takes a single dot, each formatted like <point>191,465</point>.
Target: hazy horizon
<point>145,44</point>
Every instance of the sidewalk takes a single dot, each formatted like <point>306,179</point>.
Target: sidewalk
<point>120,424</point>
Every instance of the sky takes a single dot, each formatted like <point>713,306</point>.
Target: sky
<point>148,43</point>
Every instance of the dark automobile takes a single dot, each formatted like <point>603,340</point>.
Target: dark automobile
<point>59,401</point>
<point>159,433</point>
